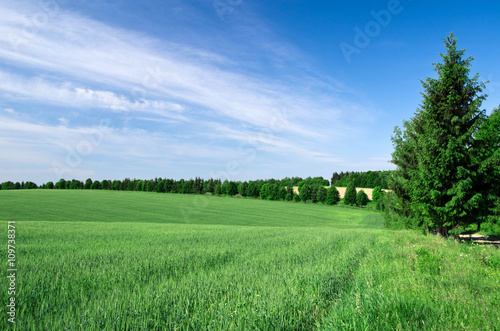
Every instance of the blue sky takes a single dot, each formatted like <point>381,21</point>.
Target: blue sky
<point>227,88</point>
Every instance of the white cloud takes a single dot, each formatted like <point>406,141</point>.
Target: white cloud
<point>83,49</point>
<point>40,91</point>
<point>78,63</point>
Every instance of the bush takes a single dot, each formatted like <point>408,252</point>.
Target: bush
<point>296,198</point>
<point>362,198</point>
<point>395,217</point>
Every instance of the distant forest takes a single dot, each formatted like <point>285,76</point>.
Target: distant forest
<point>369,179</point>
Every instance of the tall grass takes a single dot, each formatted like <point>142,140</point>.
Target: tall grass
<point>132,260</point>
<point>151,276</point>
<point>413,282</point>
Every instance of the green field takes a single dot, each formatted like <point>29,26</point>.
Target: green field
<point>111,260</point>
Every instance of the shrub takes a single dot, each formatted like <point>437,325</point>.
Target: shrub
<point>296,198</point>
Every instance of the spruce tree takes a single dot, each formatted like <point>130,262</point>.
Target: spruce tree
<point>332,196</point>
<point>362,198</point>
<point>305,193</point>
<point>437,180</point>
<point>321,195</point>
<point>350,195</point>
<point>377,193</point>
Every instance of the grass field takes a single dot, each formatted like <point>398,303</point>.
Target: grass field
<point>110,260</point>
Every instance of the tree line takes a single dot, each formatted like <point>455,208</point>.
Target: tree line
<point>310,189</point>
<point>18,186</point>
<point>367,179</point>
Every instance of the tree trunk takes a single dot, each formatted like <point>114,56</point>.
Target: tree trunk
<point>478,226</point>
<point>442,231</point>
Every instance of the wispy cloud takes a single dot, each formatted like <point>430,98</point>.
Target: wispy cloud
<point>18,87</point>
<point>78,63</point>
<point>81,49</point>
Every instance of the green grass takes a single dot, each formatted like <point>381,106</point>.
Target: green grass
<point>94,260</point>
<point>119,206</point>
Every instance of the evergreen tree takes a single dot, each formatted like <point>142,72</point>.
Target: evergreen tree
<point>335,178</point>
<point>8,185</point>
<point>88,183</point>
<point>264,191</point>
<point>273,192</point>
<point>116,185</point>
<point>313,194</point>
<point>377,193</point>
<point>281,193</point>
<point>242,189</point>
<point>350,195</point>
<point>224,186</point>
<point>289,188</point>
<point>438,180</point>
<point>96,185</point>
<point>305,193</point>
<point>60,185</point>
<point>131,185</point>
<point>187,187</point>
<point>232,188</point>
<point>218,189</point>
<point>488,144</point>
<point>252,190</point>
<point>362,198</point>
<point>321,195</point>
<point>332,196</point>
<point>169,183</point>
